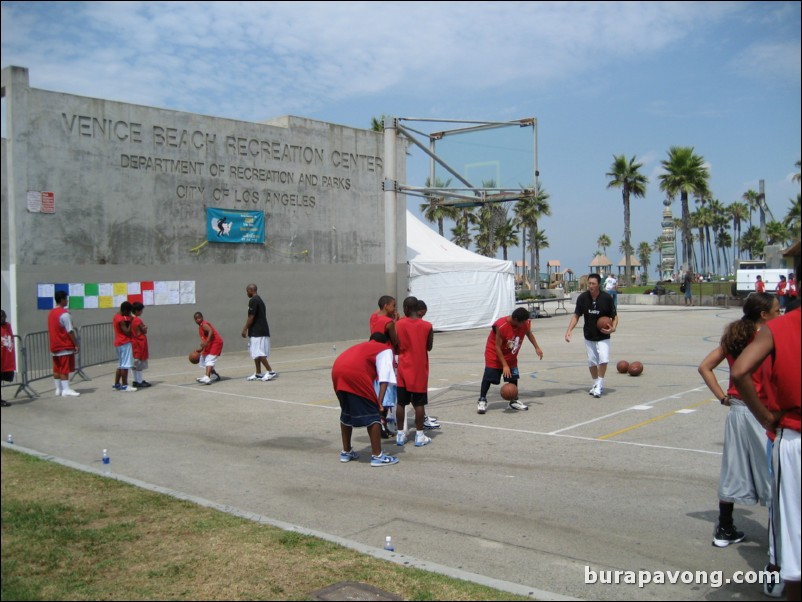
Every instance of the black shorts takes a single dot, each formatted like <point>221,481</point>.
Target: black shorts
<point>405,398</point>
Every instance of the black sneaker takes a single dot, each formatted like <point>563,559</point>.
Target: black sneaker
<point>724,536</point>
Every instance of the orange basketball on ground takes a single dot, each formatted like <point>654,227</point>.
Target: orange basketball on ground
<point>622,366</point>
<point>194,357</point>
<point>509,391</point>
<point>635,369</point>
<point>604,323</point>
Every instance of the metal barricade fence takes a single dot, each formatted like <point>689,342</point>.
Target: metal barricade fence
<point>39,361</point>
<point>97,346</point>
<point>20,379</point>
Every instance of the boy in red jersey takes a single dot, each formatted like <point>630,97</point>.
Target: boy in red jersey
<point>139,340</point>
<point>353,375</point>
<point>501,354</point>
<point>8,358</point>
<point>780,339</point>
<point>383,321</point>
<point>123,344</point>
<point>415,340</point>
<point>210,349</point>
<point>63,345</point>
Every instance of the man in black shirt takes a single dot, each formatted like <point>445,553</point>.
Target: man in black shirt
<point>593,304</point>
<point>257,331</point>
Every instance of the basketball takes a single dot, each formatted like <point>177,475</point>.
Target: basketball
<point>509,391</point>
<point>604,323</point>
<point>194,357</point>
<point>622,366</point>
<point>635,369</point>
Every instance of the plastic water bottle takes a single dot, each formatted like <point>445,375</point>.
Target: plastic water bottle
<point>10,439</point>
<point>334,349</point>
<point>388,544</point>
<point>106,462</point>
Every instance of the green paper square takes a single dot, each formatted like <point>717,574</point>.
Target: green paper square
<point>76,302</point>
<point>91,289</point>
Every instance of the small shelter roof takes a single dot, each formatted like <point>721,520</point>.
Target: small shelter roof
<point>633,262</point>
<point>553,263</point>
<point>600,260</point>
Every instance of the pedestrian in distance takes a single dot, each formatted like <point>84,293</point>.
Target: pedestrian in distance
<point>257,331</point>
<point>139,341</point>
<point>592,305</point>
<point>779,341</point>
<point>744,476</point>
<point>415,341</point>
<point>782,292</point>
<point>353,374</point>
<point>611,288</point>
<point>687,288</point>
<point>123,345</point>
<point>211,347</point>
<point>503,343</point>
<point>760,286</point>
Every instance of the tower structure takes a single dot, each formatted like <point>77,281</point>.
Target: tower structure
<point>668,244</point>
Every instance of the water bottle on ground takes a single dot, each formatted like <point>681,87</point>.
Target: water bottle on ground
<point>106,462</point>
<point>10,439</point>
<point>388,544</point>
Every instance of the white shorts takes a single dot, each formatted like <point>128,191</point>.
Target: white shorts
<point>208,361</point>
<point>788,534</point>
<point>259,347</point>
<point>598,352</point>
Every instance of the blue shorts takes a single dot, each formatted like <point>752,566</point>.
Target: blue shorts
<point>493,375</point>
<point>125,356</point>
<point>356,411</point>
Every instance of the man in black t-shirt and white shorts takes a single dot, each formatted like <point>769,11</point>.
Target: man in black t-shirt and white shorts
<point>593,304</point>
<point>257,330</point>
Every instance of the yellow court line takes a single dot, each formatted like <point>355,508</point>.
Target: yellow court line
<point>655,419</point>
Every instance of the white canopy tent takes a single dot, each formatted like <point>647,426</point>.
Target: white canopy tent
<point>462,289</point>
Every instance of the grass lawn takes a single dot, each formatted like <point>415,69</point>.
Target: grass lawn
<point>69,535</point>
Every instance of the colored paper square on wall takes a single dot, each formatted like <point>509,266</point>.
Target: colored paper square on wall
<point>91,289</point>
<point>44,303</point>
<point>105,301</point>
<point>120,289</point>
<point>76,302</point>
<point>135,299</point>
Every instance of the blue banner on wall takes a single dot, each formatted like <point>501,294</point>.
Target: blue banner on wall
<point>231,225</point>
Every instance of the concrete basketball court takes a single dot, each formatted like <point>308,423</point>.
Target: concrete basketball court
<point>626,482</point>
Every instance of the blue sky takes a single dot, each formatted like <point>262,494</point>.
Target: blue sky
<point>602,79</point>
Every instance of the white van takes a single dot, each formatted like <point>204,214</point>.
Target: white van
<point>747,273</point>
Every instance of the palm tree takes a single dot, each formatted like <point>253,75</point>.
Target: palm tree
<point>603,242</point>
<point>433,211</point>
<point>685,174</point>
<point>625,175</point>
<point>528,210</point>
<point>507,236</point>
<point>490,218</point>
<point>752,242</point>
<point>657,245</point>
<point>751,198</point>
<point>738,212</point>
<point>797,177</point>
<point>461,232</point>
<point>645,258</point>
<point>377,123</point>
<point>793,218</point>
<point>776,233</point>
<point>724,241</point>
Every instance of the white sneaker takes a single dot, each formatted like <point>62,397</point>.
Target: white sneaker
<point>592,390</point>
<point>481,408</point>
<point>269,376</point>
<point>421,440</point>
<point>255,376</point>
<point>70,393</point>
<point>517,405</point>
<point>597,392</point>
<point>205,380</point>
<point>127,389</point>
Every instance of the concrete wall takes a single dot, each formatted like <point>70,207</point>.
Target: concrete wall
<point>131,187</point>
